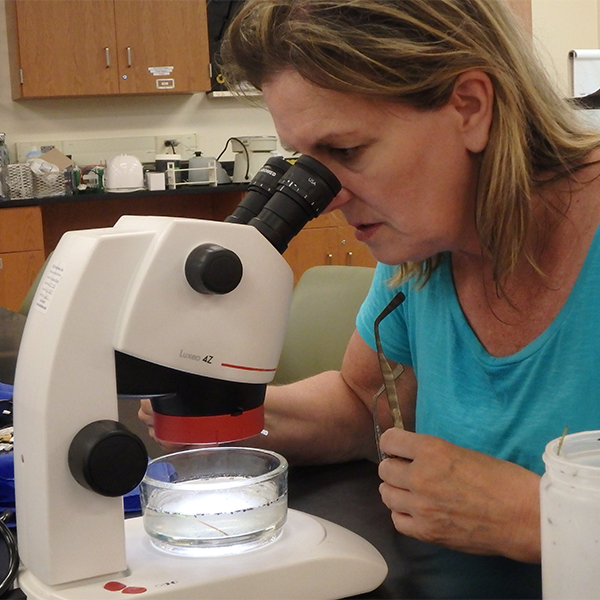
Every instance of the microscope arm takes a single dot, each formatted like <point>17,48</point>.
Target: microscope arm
<point>124,288</point>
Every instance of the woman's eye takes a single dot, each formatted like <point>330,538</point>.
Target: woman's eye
<point>344,153</point>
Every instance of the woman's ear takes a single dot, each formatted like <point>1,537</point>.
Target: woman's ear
<point>473,100</point>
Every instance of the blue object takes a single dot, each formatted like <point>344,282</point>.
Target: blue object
<point>6,391</point>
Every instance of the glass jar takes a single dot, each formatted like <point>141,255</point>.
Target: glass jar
<point>570,517</point>
<point>213,501</point>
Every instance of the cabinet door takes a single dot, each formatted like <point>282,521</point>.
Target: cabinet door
<point>312,247</point>
<point>17,272</point>
<point>64,48</point>
<point>348,250</point>
<point>162,46</point>
<point>21,253</point>
<point>327,240</point>
<point>351,252</point>
<point>21,229</point>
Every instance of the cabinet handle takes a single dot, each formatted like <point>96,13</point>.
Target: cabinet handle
<point>128,56</point>
<point>107,54</point>
<point>330,259</point>
<point>349,257</point>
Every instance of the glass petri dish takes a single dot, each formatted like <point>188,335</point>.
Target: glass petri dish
<point>214,501</point>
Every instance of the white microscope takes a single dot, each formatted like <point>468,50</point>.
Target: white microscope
<point>192,314</point>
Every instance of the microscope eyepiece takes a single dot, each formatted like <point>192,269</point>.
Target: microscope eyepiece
<point>260,190</point>
<point>304,191</point>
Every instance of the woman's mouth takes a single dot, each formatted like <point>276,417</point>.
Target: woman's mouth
<point>366,231</point>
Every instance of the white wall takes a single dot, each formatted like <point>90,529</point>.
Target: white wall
<point>559,26</point>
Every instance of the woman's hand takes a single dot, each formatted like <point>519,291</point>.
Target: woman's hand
<point>459,498</point>
<point>146,416</point>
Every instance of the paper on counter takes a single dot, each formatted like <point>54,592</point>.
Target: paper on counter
<point>56,157</point>
<point>584,67</point>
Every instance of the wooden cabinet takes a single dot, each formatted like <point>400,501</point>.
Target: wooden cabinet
<point>21,253</point>
<point>61,48</point>
<point>327,240</point>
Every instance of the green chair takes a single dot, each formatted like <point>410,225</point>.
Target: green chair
<point>26,304</point>
<point>324,306</point>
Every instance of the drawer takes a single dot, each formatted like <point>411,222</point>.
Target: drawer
<point>21,229</point>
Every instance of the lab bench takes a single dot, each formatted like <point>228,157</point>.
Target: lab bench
<point>348,494</point>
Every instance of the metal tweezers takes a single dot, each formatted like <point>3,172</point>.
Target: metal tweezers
<point>389,376</point>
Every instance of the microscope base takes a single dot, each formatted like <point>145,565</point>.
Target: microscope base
<point>312,558</point>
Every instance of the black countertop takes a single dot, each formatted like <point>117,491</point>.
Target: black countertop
<point>187,190</point>
<point>348,495</point>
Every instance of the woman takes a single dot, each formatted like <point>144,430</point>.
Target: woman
<point>476,188</point>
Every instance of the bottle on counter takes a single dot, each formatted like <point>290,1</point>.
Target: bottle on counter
<point>34,152</point>
<point>198,168</point>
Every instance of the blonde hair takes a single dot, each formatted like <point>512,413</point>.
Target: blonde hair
<point>411,52</point>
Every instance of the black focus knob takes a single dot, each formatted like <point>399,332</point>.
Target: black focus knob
<point>107,458</point>
<point>212,269</point>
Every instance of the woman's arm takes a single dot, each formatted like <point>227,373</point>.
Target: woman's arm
<point>327,418</point>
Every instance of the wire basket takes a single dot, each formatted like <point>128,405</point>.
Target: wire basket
<point>52,184</point>
<point>19,181</point>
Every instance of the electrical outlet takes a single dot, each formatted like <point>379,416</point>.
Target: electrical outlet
<point>186,147</point>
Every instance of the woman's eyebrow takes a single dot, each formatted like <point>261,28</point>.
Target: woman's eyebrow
<point>324,142</point>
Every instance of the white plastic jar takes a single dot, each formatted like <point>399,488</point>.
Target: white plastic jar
<point>570,517</point>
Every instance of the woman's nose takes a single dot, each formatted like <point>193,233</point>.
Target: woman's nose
<point>343,196</point>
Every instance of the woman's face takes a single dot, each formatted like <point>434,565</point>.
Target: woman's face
<point>408,176</point>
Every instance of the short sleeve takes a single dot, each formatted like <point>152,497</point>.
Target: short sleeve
<point>393,329</point>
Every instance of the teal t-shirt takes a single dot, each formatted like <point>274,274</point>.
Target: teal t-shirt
<point>508,407</point>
